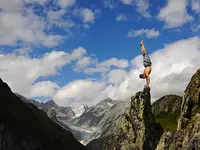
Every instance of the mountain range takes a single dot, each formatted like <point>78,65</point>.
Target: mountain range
<point>172,122</point>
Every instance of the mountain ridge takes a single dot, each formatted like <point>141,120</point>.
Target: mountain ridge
<point>24,126</point>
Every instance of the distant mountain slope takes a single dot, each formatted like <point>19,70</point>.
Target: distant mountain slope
<point>110,122</point>
<point>94,114</point>
<point>24,126</point>
<point>167,110</point>
<point>102,118</point>
<point>80,110</point>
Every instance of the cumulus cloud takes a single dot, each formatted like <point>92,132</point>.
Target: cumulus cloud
<point>66,3</point>
<point>21,24</point>
<point>105,66</point>
<point>84,63</point>
<point>110,4</point>
<point>142,8</point>
<point>174,14</point>
<point>126,1</point>
<point>116,76</point>
<point>21,71</point>
<point>87,15</point>
<point>23,50</point>
<point>52,40</point>
<point>121,17</point>
<point>149,33</point>
<point>80,91</point>
<point>196,6</point>
<point>78,52</point>
<point>43,89</point>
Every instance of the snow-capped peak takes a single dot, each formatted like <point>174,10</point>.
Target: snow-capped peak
<point>80,110</point>
<point>110,104</point>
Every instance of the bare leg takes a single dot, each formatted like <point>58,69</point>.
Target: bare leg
<point>147,71</point>
<point>148,80</point>
<point>143,49</point>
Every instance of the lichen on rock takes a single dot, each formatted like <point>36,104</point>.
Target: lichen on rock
<point>138,130</point>
<point>187,136</point>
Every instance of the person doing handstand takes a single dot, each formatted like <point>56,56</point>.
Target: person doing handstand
<point>147,64</point>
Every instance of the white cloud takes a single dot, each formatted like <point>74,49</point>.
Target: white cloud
<point>174,14</point>
<point>21,71</point>
<point>23,50</point>
<point>83,63</point>
<point>80,91</point>
<point>78,52</point>
<point>110,4</point>
<point>126,1</point>
<point>43,89</point>
<point>121,63</point>
<point>142,8</point>
<point>196,5</point>
<point>116,76</point>
<point>20,24</point>
<point>149,33</point>
<point>41,2</point>
<point>52,40</point>
<point>121,17</point>
<point>105,66</point>
<point>66,3</point>
<point>87,15</point>
<point>55,18</point>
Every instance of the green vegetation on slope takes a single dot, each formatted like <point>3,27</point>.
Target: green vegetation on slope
<point>167,110</point>
<point>168,121</point>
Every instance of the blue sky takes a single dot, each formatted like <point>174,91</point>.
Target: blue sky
<point>76,52</point>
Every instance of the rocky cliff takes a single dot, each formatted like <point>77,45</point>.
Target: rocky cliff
<point>187,136</point>
<point>24,126</point>
<point>138,129</point>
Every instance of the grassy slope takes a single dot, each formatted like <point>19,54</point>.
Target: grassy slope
<point>168,121</point>
<point>168,111</point>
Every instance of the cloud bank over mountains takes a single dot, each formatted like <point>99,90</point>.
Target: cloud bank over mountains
<point>173,66</point>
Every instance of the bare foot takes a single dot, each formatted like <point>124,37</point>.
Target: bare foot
<point>142,43</point>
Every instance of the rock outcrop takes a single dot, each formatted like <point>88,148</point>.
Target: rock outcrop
<point>187,136</point>
<point>138,129</point>
<point>24,126</point>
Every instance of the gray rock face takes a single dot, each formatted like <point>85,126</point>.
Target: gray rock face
<point>24,126</point>
<point>138,129</point>
<point>187,136</point>
<point>94,114</point>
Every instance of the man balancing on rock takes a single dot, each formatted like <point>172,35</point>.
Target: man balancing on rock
<point>147,64</point>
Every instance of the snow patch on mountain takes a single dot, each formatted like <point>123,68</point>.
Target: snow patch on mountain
<point>80,110</point>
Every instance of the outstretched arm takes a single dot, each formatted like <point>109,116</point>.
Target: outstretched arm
<point>143,49</point>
